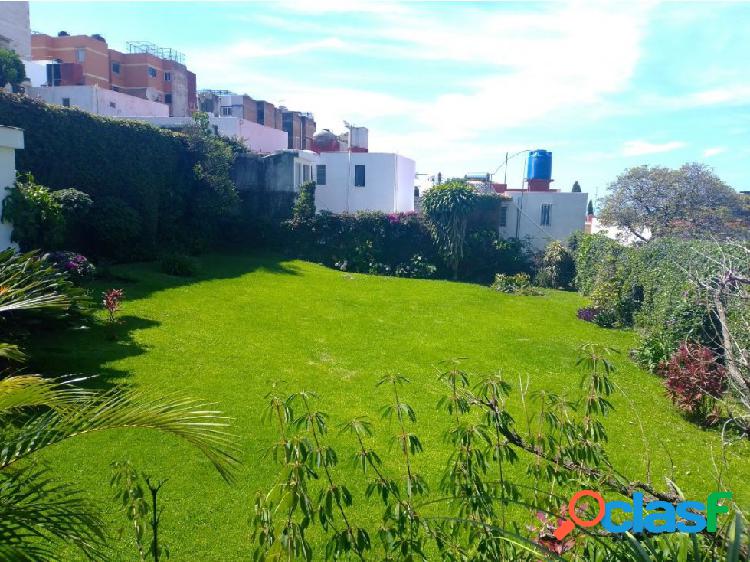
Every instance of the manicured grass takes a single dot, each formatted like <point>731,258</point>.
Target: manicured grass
<point>245,322</point>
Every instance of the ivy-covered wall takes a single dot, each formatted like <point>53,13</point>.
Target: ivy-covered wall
<point>120,164</point>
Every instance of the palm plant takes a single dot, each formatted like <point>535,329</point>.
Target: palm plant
<point>37,510</point>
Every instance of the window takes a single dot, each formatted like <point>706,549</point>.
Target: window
<point>80,55</point>
<point>115,89</point>
<point>306,173</point>
<point>66,102</point>
<point>297,174</point>
<point>359,175</point>
<point>320,174</point>
<point>503,220</point>
<point>152,72</point>
<point>226,111</point>
<point>546,207</point>
<point>115,68</point>
<point>167,98</point>
<point>113,105</point>
<point>167,76</point>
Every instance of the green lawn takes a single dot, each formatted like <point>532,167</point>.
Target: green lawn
<point>245,322</point>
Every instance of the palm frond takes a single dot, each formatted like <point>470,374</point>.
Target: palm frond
<point>11,352</point>
<point>37,513</point>
<point>28,282</point>
<point>28,391</point>
<point>194,421</point>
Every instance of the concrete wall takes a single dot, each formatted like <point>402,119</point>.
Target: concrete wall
<point>15,31</point>
<point>100,101</point>
<point>389,183</point>
<point>567,215</point>
<point>257,138</point>
<point>11,139</point>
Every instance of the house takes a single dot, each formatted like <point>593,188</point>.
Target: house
<point>350,178</point>
<point>538,213</point>
<point>146,71</point>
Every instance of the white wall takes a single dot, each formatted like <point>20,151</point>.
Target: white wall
<point>389,183</point>
<point>567,215</point>
<point>15,31</point>
<point>101,101</point>
<point>36,71</point>
<point>257,138</point>
<point>11,139</point>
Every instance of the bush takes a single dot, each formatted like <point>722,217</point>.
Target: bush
<point>177,184</point>
<point>304,205</point>
<point>557,268</point>
<point>417,267</point>
<point>76,265</point>
<point>695,380</point>
<point>37,216</point>
<point>179,265</point>
<point>511,283</point>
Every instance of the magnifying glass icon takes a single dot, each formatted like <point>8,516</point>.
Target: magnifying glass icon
<point>569,524</point>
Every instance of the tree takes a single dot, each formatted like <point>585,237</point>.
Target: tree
<point>447,208</point>
<point>690,201</point>
<point>12,70</point>
<point>576,187</point>
<point>304,205</point>
<point>38,511</point>
<point>590,209</point>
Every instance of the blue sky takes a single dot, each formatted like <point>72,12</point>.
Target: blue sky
<point>604,86</point>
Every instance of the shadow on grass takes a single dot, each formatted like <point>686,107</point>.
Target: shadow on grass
<point>142,279</point>
<point>86,350</point>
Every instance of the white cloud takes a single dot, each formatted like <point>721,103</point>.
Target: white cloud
<point>639,147</point>
<point>713,151</point>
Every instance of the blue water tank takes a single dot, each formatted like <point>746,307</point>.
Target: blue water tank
<point>539,166</point>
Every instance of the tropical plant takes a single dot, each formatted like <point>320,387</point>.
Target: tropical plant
<point>447,208</point>
<point>141,508</point>
<point>475,511</point>
<point>38,512</point>
<point>36,215</point>
<point>557,268</point>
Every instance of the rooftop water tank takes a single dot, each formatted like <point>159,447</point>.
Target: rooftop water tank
<point>539,166</point>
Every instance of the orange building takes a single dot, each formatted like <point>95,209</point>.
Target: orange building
<point>145,71</point>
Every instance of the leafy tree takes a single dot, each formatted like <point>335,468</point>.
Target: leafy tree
<point>12,70</point>
<point>447,208</point>
<point>38,512</point>
<point>590,209</point>
<point>689,201</point>
<point>576,187</point>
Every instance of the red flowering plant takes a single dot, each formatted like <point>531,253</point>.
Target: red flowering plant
<point>111,301</point>
<point>695,380</point>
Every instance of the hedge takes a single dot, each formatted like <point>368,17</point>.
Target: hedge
<point>141,167</point>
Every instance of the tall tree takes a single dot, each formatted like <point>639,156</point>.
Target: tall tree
<point>656,201</point>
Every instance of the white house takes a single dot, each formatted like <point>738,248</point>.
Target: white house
<point>99,101</point>
<point>364,181</point>
<point>542,216</point>
<point>11,139</point>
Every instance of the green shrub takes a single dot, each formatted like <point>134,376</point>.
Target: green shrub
<point>557,268</point>
<point>177,184</point>
<point>36,215</point>
<point>179,265</point>
<point>511,283</point>
<point>304,205</point>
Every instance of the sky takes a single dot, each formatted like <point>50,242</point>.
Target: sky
<point>603,85</point>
